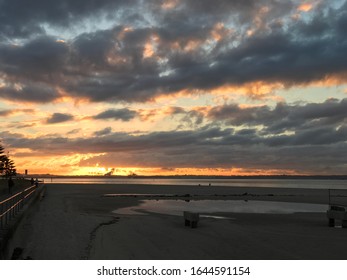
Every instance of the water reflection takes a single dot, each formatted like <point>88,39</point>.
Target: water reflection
<point>209,183</point>
<point>175,207</point>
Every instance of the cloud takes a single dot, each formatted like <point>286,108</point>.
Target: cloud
<point>117,114</point>
<point>175,111</point>
<point>25,125</point>
<point>74,131</point>
<point>122,52</point>
<point>10,112</point>
<point>19,22</point>
<point>226,43</point>
<point>30,92</point>
<point>59,118</point>
<point>307,151</point>
<point>105,131</point>
<point>283,117</point>
<point>35,58</point>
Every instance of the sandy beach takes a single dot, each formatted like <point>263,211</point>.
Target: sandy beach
<point>75,221</point>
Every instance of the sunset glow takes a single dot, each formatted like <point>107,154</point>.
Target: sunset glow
<point>306,7</point>
<point>174,87</point>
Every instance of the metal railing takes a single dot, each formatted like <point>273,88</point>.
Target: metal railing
<point>9,207</point>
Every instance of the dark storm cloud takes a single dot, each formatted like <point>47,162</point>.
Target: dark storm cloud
<point>91,49</point>
<point>316,136</point>
<point>312,151</point>
<point>283,117</point>
<point>297,54</point>
<point>39,57</point>
<point>31,92</point>
<point>117,114</point>
<point>32,71</point>
<point>59,118</point>
<point>117,142</point>
<point>112,64</point>
<point>18,18</point>
<point>327,159</point>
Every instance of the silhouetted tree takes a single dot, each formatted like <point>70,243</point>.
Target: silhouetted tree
<point>10,168</point>
<point>3,158</point>
<point>7,166</point>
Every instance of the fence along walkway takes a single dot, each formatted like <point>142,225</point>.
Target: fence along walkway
<point>9,207</point>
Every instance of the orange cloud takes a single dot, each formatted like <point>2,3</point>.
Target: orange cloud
<point>305,7</point>
<point>150,46</point>
<point>148,115</point>
<point>148,50</point>
<point>219,31</point>
<point>258,21</point>
<point>125,30</point>
<point>169,4</point>
<point>332,80</point>
<point>255,90</point>
<point>64,164</point>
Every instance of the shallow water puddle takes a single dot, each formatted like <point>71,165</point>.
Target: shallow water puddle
<point>176,207</point>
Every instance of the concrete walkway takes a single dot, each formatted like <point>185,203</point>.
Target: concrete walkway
<point>8,229</point>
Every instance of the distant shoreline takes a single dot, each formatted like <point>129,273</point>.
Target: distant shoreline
<point>283,177</point>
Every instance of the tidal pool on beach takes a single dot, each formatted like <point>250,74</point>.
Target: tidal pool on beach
<point>176,207</point>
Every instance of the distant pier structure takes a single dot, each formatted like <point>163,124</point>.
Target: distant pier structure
<point>109,173</point>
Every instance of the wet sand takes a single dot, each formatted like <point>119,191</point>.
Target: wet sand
<point>76,222</point>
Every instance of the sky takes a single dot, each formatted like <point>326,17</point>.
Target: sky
<point>223,87</point>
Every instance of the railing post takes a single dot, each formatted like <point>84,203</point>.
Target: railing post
<point>22,203</point>
<point>6,215</point>
<point>17,203</point>
<point>2,218</point>
<point>11,210</point>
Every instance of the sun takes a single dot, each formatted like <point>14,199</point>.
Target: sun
<point>93,171</point>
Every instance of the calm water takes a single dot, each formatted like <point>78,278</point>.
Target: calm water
<point>276,183</point>
<point>176,207</point>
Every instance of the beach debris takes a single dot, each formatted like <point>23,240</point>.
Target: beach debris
<point>337,213</point>
<point>17,253</point>
<point>191,218</point>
